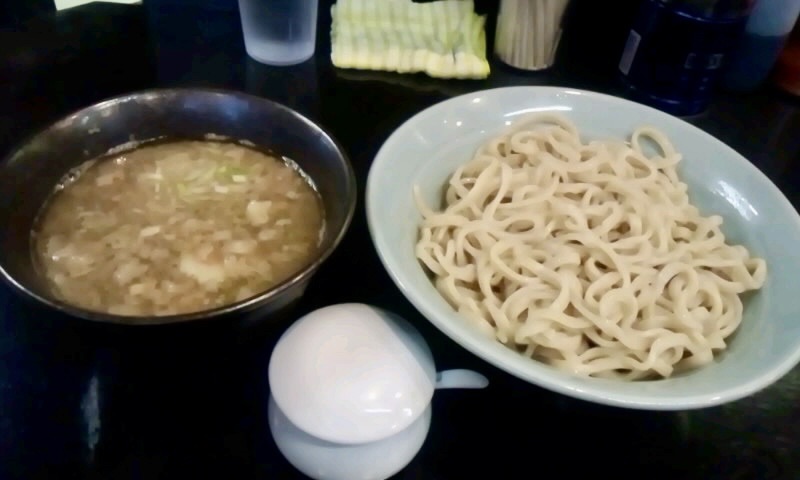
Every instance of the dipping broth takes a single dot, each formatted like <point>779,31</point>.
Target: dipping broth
<point>176,228</point>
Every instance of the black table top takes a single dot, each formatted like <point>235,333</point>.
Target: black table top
<point>78,404</point>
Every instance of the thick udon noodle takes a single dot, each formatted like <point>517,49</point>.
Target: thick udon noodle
<point>586,256</point>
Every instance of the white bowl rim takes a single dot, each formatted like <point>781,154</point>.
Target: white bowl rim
<point>538,374</point>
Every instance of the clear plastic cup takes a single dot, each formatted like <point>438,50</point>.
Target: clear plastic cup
<point>279,32</point>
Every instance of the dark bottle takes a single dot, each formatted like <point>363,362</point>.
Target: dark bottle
<point>676,50</point>
<point>787,70</point>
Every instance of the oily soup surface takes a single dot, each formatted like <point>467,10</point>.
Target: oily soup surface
<point>176,228</point>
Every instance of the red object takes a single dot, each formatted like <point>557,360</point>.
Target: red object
<point>787,70</point>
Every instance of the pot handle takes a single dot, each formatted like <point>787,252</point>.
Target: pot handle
<point>460,378</point>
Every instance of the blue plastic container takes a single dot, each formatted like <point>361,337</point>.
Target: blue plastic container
<point>676,50</point>
<point>766,33</point>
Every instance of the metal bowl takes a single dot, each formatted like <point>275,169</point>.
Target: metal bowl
<point>30,173</point>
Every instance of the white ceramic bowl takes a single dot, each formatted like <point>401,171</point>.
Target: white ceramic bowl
<point>428,148</point>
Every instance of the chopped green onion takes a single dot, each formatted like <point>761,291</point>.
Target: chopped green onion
<point>228,172</point>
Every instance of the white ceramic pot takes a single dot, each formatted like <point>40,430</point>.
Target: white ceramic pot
<point>351,388</point>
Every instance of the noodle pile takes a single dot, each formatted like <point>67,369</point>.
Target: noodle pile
<point>586,256</point>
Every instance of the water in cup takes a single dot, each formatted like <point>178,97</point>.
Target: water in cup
<point>279,32</point>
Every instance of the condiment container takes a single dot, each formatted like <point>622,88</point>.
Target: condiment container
<point>787,70</point>
<point>528,32</point>
<point>766,33</point>
<point>351,388</point>
<point>676,49</point>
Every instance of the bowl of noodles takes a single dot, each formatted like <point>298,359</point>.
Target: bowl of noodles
<point>590,245</point>
<point>173,205</point>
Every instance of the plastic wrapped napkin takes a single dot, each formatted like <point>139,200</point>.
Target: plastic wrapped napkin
<point>445,39</point>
